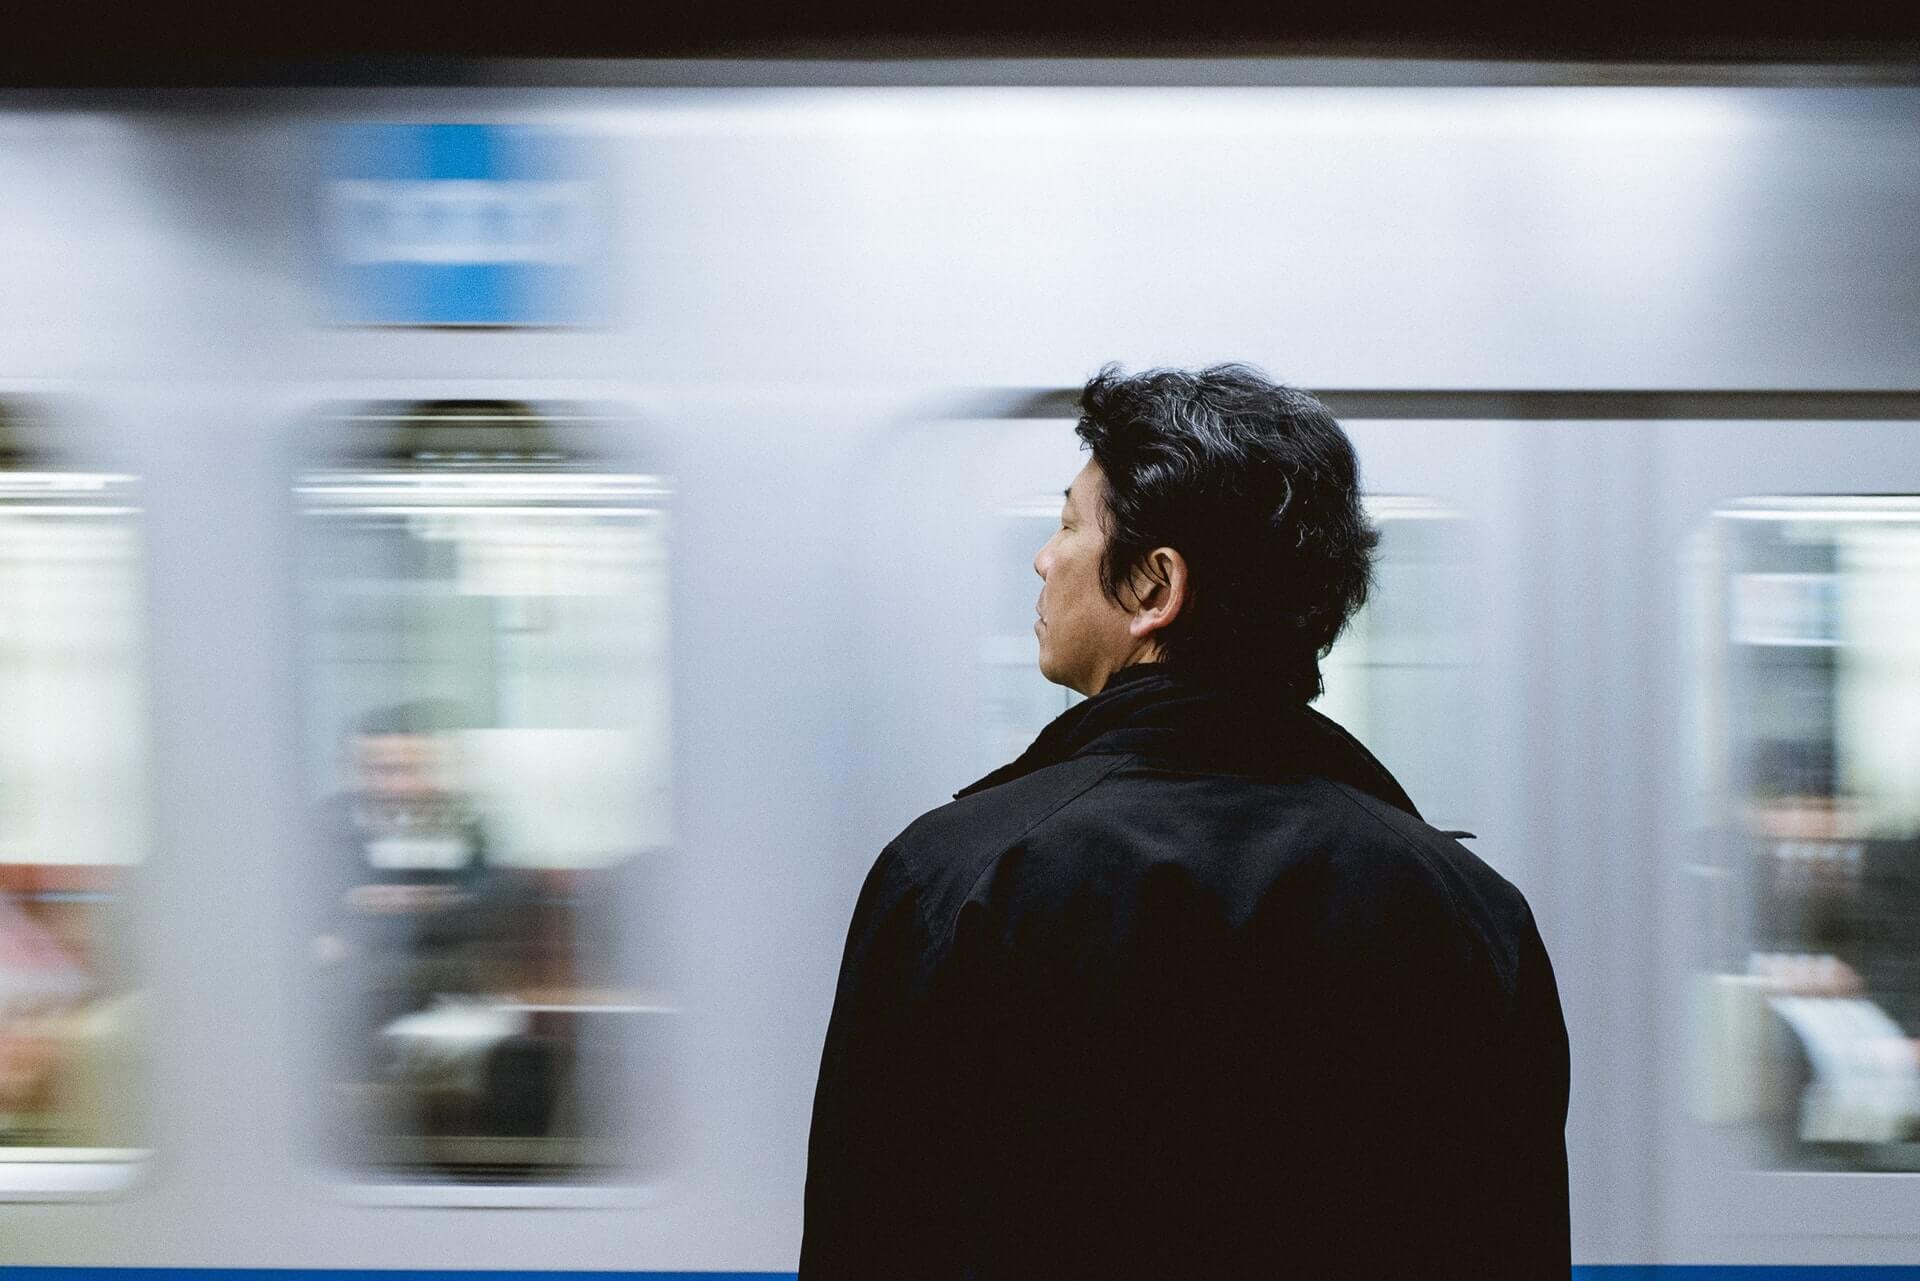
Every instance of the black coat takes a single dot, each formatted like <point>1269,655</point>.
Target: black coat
<point>1188,991</point>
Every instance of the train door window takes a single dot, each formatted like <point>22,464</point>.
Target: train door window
<point>1810,1010</point>
<point>1398,678</point>
<point>72,820</point>
<point>1020,701</point>
<point>485,596</point>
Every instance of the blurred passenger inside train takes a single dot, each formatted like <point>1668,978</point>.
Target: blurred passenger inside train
<point>417,899</point>
<point>1832,892</point>
<point>1836,945</point>
<point>418,917</point>
<point>1808,838</point>
<point>39,983</point>
<point>1190,989</point>
<point>69,1014</point>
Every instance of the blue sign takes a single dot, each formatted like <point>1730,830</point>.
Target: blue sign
<point>460,225</point>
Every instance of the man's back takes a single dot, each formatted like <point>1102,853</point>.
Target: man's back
<point>1189,990</point>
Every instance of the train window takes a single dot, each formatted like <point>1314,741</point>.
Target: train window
<point>485,597</point>
<point>1810,1012</point>
<point>72,820</point>
<point>1020,701</point>
<point>1397,679</point>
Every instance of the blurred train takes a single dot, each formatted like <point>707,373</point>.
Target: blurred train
<point>452,693</point>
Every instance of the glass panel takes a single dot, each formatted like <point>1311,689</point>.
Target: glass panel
<point>486,619</point>
<point>1020,701</point>
<point>72,809</point>
<point>1398,679</point>
<point>1811,994</point>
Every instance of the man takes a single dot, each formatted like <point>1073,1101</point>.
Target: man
<point>1189,990</point>
<point>414,895</point>
<point>415,923</point>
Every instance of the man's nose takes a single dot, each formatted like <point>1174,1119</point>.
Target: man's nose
<point>1040,562</point>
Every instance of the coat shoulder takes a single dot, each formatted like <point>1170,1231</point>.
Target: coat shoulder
<point>947,850</point>
<point>1119,831</point>
<point>1487,909</point>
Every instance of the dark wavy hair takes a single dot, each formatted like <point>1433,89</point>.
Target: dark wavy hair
<point>1257,487</point>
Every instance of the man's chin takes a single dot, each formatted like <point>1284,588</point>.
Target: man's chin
<point>1060,678</point>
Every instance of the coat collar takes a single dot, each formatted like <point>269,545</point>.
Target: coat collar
<point>1155,711</point>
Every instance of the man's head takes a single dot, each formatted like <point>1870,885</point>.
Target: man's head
<point>1797,794</point>
<point>1217,527</point>
<point>402,754</point>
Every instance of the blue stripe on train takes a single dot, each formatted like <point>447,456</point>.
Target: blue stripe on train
<point>1608,1272</point>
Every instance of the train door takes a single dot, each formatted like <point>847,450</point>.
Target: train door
<point>485,618</point>
<point>1792,921</point>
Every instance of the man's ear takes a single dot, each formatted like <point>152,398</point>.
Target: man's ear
<point>1160,587</point>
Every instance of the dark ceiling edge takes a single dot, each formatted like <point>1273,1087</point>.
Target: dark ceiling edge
<point>1508,406</point>
<point>1234,70</point>
<point>1241,67</point>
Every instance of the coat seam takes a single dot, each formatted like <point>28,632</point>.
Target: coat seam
<point>1426,860</point>
<point>946,937</point>
<point>915,894</point>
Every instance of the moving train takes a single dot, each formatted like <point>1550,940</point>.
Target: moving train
<point>486,569</point>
